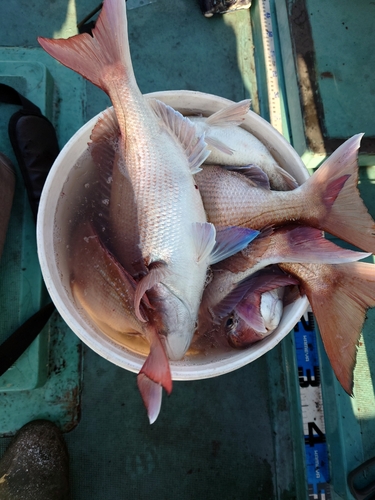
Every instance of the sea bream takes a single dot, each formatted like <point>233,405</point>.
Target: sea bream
<point>105,291</point>
<point>328,200</point>
<point>160,152</point>
<point>233,278</point>
<point>231,144</point>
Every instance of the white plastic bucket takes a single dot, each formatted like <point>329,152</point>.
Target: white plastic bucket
<point>52,225</point>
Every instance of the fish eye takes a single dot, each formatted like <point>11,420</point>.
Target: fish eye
<point>230,324</point>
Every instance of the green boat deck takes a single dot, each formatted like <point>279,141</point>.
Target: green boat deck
<point>238,436</point>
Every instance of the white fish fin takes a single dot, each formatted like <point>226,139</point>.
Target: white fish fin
<point>289,179</point>
<point>204,237</point>
<point>231,240</point>
<point>153,376</point>
<point>184,130</point>
<point>253,173</point>
<point>152,394</point>
<point>93,56</point>
<point>215,143</point>
<point>157,271</point>
<point>234,114</point>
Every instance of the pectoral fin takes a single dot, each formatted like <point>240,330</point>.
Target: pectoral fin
<point>231,240</point>
<point>157,271</point>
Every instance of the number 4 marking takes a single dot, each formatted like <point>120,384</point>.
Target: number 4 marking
<point>315,435</point>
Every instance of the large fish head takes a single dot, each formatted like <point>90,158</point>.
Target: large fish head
<point>174,320</point>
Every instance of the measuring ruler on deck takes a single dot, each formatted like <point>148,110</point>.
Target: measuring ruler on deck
<point>273,90</point>
<point>316,451</point>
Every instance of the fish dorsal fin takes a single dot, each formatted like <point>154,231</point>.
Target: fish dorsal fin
<point>204,237</point>
<point>157,272</point>
<point>253,173</point>
<point>234,114</point>
<point>185,132</point>
<point>231,240</point>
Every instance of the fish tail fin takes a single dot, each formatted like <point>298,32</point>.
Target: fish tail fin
<point>92,56</point>
<point>153,376</point>
<point>340,314</point>
<point>345,214</point>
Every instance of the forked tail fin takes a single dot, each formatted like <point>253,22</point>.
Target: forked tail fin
<point>340,296</point>
<point>93,56</point>
<point>347,216</point>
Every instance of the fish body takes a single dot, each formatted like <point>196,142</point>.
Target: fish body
<point>339,295</point>
<point>328,200</point>
<point>232,145</point>
<point>104,289</point>
<point>159,153</point>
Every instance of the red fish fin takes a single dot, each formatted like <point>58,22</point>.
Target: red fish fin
<point>348,217</point>
<point>307,244</point>
<point>340,311</point>
<point>157,271</point>
<point>234,114</point>
<point>154,375</point>
<point>92,56</point>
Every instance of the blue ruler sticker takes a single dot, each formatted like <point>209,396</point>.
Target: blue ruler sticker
<point>316,452</point>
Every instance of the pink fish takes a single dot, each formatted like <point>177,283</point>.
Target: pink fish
<point>339,295</point>
<point>158,152</point>
<point>105,291</point>
<point>232,278</point>
<point>328,200</point>
<point>231,144</point>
